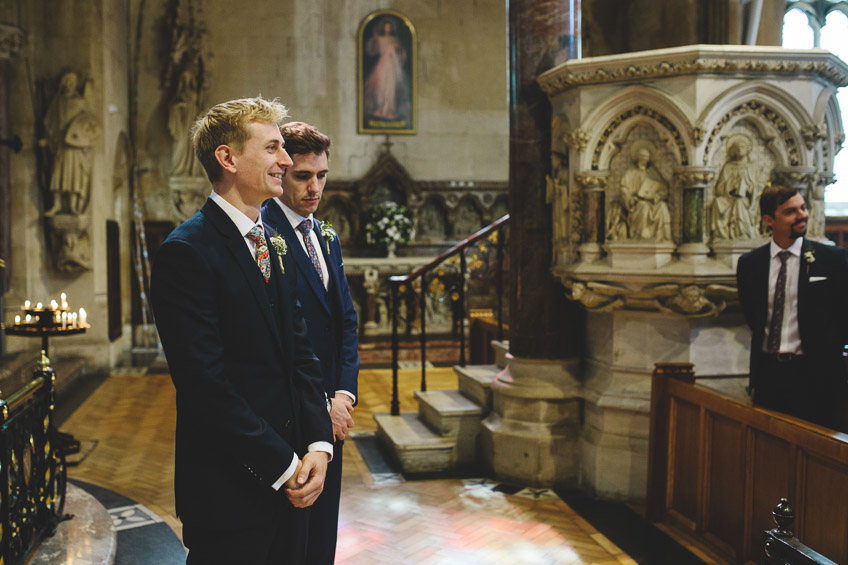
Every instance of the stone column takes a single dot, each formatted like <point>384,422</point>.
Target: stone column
<point>594,214</point>
<point>531,435</point>
<point>693,181</point>
<point>11,39</point>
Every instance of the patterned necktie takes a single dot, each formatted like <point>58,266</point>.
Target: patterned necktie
<point>304,228</point>
<point>777,306</point>
<point>257,236</point>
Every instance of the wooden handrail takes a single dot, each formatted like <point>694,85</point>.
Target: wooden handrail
<point>468,241</point>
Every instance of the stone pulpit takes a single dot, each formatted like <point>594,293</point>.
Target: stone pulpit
<point>659,159</point>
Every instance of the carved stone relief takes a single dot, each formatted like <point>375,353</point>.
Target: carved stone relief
<point>71,132</point>
<point>467,219</point>
<point>743,173</point>
<point>432,220</point>
<point>640,210</point>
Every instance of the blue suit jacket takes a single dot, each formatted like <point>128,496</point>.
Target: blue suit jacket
<point>330,316</point>
<point>248,386</point>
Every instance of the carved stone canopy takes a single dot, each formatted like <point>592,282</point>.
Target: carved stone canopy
<point>388,178</point>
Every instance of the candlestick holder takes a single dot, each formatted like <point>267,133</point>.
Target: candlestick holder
<point>44,322</point>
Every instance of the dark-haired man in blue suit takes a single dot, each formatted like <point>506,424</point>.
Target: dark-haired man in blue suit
<point>327,307</point>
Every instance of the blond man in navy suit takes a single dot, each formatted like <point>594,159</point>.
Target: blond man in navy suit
<point>253,437</point>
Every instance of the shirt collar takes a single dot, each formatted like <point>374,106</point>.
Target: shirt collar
<point>242,222</point>
<point>293,217</point>
<point>794,249</point>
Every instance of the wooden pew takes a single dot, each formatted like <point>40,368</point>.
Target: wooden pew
<point>717,466</point>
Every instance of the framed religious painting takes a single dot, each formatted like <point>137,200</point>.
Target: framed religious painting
<point>387,61</point>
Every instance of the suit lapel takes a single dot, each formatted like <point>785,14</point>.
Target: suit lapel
<point>304,264</point>
<point>247,265</point>
<point>762,290</point>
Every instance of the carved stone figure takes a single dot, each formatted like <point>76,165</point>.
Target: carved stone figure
<point>432,222</point>
<point>72,130</point>
<point>642,213</point>
<point>736,192</point>
<point>181,117</point>
<point>468,220</point>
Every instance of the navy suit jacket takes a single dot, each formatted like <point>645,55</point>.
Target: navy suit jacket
<point>822,310</point>
<point>248,385</point>
<point>330,316</point>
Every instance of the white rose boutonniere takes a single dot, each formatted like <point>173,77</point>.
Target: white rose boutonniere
<point>809,258</point>
<point>281,248</point>
<point>327,233</point>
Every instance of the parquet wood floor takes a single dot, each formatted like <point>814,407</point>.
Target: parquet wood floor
<point>384,519</point>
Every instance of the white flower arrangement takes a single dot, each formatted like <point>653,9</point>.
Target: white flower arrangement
<point>389,224</point>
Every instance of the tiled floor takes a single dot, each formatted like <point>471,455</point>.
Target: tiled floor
<point>384,519</point>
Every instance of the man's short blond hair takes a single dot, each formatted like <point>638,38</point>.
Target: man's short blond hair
<point>227,124</point>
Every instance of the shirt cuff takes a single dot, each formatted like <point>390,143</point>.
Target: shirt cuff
<point>287,475</point>
<point>324,446</point>
<point>346,393</point>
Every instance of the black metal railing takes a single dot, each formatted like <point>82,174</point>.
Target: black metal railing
<point>781,545</point>
<point>452,277</point>
<point>33,474</point>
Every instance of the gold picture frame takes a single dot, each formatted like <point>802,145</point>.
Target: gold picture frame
<point>387,69</point>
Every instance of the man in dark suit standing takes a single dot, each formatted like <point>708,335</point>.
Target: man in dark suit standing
<point>327,307</point>
<point>253,438</point>
<point>794,293</point>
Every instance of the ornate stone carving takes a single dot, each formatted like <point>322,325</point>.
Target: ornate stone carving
<point>577,139</point>
<point>698,132</point>
<point>70,243</point>
<point>813,133</point>
<point>556,82</point>
<point>641,212</point>
<point>735,205</point>
<point>758,108</point>
<point>639,110</point>
<point>11,41</point>
<point>187,70</point>
<point>694,177</point>
<point>690,300</point>
<point>72,130</point>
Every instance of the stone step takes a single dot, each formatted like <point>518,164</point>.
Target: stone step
<point>416,447</point>
<point>452,414</point>
<point>475,382</point>
<point>501,348</point>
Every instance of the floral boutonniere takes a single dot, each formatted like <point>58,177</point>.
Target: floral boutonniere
<point>281,248</point>
<point>809,258</point>
<point>327,233</point>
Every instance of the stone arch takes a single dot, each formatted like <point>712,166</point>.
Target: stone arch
<point>835,133</point>
<point>776,114</point>
<point>619,113</point>
<point>467,217</point>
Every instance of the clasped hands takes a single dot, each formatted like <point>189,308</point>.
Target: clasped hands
<point>307,482</point>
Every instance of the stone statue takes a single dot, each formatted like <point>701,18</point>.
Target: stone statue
<point>181,117</point>
<point>642,213</point>
<point>72,130</point>
<point>736,192</point>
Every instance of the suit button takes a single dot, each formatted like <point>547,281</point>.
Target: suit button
<point>286,424</point>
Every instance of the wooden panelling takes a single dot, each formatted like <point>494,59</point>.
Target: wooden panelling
<point>683,461</point>
<point>723,465</point>
<point>770,478</point>
<point>825,508</point>
<point>724,484</point>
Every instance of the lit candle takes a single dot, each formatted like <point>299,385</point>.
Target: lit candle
<point>53,305</point>
<point>64,320</point>
<point>17,319</point>
<point>27,303</point>
<point>28,318</point>
<point>64,298</point>
<point>38,306</point>
<point>74,319</point>
<point>82,316</point>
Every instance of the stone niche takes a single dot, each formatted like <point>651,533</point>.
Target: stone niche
<point>659,158</point>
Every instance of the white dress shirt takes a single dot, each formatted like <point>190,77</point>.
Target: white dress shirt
<point>790,336</point>
<point>244,225</point>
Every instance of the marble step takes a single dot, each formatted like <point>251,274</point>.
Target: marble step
<point>452,414</point>
<point>416,447</point>
<point>475,382</point>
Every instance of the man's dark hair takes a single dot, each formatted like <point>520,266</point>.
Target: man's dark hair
<point>302,139</point>
<point>773,196</point>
